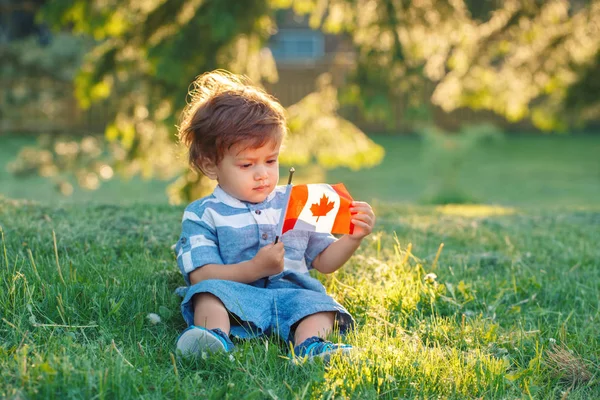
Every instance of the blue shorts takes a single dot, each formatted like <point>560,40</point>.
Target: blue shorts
<point>269,306</point>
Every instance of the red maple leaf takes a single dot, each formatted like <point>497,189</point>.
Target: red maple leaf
<point>321,208</point>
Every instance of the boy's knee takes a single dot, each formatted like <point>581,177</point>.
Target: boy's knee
<point>207,300</point>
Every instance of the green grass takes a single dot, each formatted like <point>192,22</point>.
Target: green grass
<point>512,312</point>
<point>507,286</point>
<point>541,170</point>
<point>135,190</point>
<point>521,171</point>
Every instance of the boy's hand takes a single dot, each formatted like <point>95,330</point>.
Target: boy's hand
<point>269,259</point>
<point>363,219</point>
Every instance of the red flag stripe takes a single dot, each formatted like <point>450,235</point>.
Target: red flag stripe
<point>298,199</point>
<point>342,222</point>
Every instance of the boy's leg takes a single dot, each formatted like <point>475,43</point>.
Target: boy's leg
<point>210,313</point>
<point>310,334</point>
<point>319,324</point>
<point>210,331</point>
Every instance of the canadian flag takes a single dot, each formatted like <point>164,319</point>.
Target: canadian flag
<point>318,208</point>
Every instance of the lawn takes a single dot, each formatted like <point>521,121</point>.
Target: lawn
<point>509,309</point>
<point>134,190</point>
<point>549,171</point>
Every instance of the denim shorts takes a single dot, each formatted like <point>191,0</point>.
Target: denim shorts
<point>269,306</point>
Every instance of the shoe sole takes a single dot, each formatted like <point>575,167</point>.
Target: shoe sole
<point>195,341</point>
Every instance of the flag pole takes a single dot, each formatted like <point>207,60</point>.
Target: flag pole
<point>289,184</point>
<point>292,170</point>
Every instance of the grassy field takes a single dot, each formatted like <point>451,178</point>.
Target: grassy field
<point>520,171</point>
<point>42,189</point>
<point>509,309</point>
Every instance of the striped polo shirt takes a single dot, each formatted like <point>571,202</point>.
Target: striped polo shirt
<point>220,229</point>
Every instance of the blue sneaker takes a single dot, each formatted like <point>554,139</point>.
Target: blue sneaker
<point>317,347</point>
<point>196,339</point>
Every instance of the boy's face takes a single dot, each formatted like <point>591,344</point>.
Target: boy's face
<point>248,174</point>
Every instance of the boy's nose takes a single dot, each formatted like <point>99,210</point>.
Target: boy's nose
<point>260,174</point>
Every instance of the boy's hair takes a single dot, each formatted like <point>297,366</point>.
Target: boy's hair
<point>226,109</point>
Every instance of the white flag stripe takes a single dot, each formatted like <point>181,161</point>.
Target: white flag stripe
<point>323,223</point>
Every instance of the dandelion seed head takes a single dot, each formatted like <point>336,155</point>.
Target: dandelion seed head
<point>430,277</point>
<point>153,318</point>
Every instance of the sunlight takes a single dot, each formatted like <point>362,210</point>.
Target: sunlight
<point>474,210</point>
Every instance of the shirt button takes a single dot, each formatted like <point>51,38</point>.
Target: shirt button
<point>265,236</point>
<point>257,212</point>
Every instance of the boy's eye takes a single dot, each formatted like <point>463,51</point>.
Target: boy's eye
<point>245,165</point>
<point>271,161</point>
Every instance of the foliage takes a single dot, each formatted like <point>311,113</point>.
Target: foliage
<point>583,95</point>
<point>59,59</point>
<point>521,59</point>
<point>145,56</point>
<point>35,78</point>
<point>317,133</point>
<point>477,321</point>
<point>529,59</point>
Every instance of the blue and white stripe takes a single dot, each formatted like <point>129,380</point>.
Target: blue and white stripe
<point>220,229</point>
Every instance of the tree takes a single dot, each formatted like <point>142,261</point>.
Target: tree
<point>145,57</point>
<point>520,59</point>
<point>530,59</point>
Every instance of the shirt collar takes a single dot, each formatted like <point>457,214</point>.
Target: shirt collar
<point>228,199</point>
<point>231,201</point>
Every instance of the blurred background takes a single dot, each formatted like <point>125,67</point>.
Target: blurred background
<point>424,101</point>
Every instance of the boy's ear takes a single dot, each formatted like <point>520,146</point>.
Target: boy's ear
<point>208,168</point>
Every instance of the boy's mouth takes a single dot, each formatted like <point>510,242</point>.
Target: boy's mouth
<point>261,188</point>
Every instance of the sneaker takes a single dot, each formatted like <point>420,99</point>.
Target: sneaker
<point>314,347</point>
<point>196,339</point>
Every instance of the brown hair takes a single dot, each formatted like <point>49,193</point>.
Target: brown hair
<point>226,109</point>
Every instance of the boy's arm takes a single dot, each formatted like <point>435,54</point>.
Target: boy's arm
<point>244,272</point>
<point>337,253</point>
<point>268,261</point>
